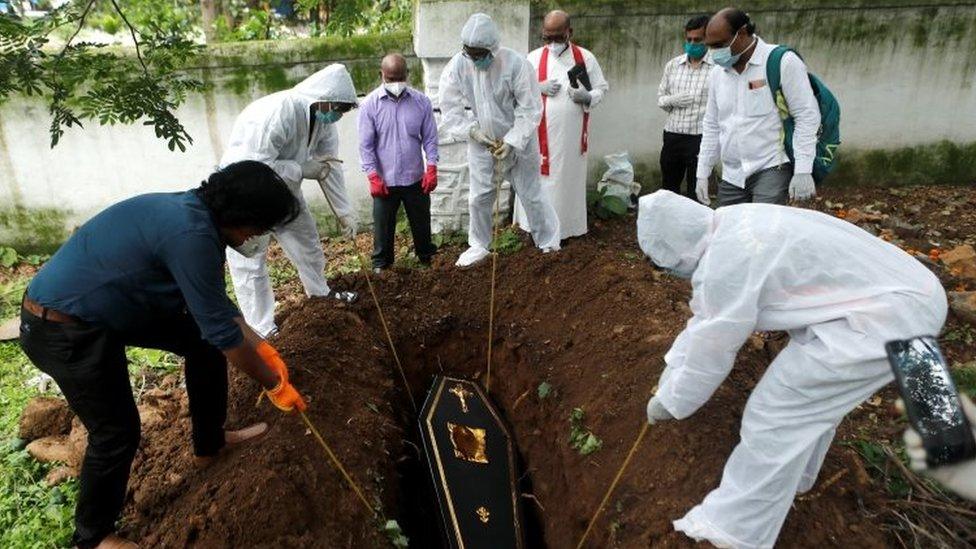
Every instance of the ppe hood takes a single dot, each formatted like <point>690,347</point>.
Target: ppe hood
<point>673,230</point>
<point>332,83</point>
<point>480,32</point>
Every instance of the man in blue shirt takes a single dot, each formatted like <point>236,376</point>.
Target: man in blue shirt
<point>149,272</point>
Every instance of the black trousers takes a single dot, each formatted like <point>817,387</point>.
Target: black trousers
<point>679,161</point>
<point>89,365</point>
<point>417,205</point>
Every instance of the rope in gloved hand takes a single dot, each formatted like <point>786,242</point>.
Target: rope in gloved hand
<point>379,310</point>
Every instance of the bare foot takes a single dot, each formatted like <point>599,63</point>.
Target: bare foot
<point>113,541</point>
<point>233,438</point>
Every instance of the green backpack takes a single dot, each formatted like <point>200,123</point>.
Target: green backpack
<point>828,136</point>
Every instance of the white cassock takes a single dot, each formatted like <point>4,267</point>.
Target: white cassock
<point>565,185</point>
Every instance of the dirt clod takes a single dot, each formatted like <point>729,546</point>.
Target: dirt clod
<point>45,416</point>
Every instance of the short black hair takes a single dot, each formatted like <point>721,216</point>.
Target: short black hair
<point>249,194</point>
<point>697,22</point>
<point>738,19</point>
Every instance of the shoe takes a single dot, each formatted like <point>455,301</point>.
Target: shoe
<point>473,256</point>
<point>345,297</point>
<point>114,541</point>
<point>231,439</point>
<point>550,249</point>
<point>377,270</point>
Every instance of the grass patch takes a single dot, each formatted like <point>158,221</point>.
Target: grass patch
<point>507,242</point>
<point>965,377</point>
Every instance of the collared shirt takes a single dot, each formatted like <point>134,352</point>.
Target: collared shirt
<point>681,77</point>
<point>142,260</point>
<point>395,135</point>
<point>742,124</point>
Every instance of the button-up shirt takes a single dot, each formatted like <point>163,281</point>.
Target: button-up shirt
<point>742,123</point>
<point>396,134</point>
<point>681,77</point>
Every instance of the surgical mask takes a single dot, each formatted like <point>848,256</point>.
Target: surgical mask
<point>330,117</point>
<point>394,88</point>
<point>724,57</point>
<point>253,246</point>
<point>557,48</point>
<point>484,62</point>
<point>695,50</point>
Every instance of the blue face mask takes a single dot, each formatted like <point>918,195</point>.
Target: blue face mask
<point>695,50</point>
<point>330,117</point>
<point>484,62</point>
<point>724,57</point>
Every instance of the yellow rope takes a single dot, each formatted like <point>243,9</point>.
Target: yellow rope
<point>335,461</point>
<point>498,176</point>
<point>613,484</point>
<point>379,309</point>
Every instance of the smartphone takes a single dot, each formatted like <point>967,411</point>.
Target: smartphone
<point>931,400</point>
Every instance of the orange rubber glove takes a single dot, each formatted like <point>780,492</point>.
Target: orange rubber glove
<point>284,395</point>
<point>429,182</point>
<point>377,187</point>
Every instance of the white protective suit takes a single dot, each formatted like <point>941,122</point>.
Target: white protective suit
<point>275,130</point>
<point>565,186</point>
<point>507,105</point>
<point>838,291</point>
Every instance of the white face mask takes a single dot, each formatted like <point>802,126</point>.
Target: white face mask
<point>394,88</point>
<point>557,48</point>
<point>253,245</point>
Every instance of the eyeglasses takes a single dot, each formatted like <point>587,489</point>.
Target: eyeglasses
<point>475,54</point>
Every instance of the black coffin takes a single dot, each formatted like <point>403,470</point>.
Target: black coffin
<point>472,464</point>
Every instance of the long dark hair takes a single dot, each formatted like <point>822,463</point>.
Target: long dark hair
<point>249,194</point>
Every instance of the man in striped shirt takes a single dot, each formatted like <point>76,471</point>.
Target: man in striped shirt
<point>683,94</point>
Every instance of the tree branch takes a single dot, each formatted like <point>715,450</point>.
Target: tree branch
<point>132,31</point>
<point>81,23</point>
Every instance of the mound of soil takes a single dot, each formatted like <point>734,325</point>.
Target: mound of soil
<point>593,321</point>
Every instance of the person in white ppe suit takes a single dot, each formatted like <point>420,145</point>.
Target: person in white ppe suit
<point>293,131</point>
<point>838,291</point>
<point>564,130</point>
<point>500,86</point>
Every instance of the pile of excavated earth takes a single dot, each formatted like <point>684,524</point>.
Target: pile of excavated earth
<point>586,328</point>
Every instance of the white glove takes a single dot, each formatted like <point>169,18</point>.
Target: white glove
<point>656,411</point>
<point>550,87</point>
<point>349,226</point>
<point>701,190</point>
<point>802,187</point>
<point>312,168</point>
<point>958,477</point>
<point>682,100</point>
<point>479,136</point>
<point>580,95</point>
<point>501,151</point>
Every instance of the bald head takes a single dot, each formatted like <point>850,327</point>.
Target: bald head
<point>394,68</point>
<point>725,24</point>
<point>556,27</point>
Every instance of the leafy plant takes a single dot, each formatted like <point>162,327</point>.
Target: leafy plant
<point>507,242</point>
<point>395,534</point>
<point>8,257</point>
<point>965,377</point>
<point>545,389</point>
<point>450,238</point>
<point>603,205</point>
<point>580,438</point>
<point>86,81</point>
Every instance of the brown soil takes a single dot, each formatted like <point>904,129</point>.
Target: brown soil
<point>594,321</point>
<point>44,416</point>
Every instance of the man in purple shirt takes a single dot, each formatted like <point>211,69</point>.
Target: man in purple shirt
<point>397,139</point>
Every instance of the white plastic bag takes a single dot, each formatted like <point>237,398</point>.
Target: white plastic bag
<point>619,178</point>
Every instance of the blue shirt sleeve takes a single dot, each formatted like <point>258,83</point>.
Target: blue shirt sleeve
<point>197,264</point>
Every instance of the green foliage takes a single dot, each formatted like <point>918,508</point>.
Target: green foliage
<point>545,389</point>
<point>507,242</point>
<point>603,205</point>
<point>964,375</point>
<point>85,81</point>
<point>31,514</point>
<point>395,534</point>
<point>876,456</point>
<point>581,438</point>
<point>8,257</point>
<point>450,238</point>
<point>964,333</point>
<point>348,17</point>
<point>938,163</point>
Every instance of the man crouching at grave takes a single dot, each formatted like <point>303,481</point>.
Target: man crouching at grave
<point>149,272</point>
<point>841,294</point>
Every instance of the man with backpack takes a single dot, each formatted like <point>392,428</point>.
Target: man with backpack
<point>744,125</point>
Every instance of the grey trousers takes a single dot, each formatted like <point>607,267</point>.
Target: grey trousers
<point>769,186</point>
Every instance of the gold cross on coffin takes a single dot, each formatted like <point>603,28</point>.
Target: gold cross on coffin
<point>462,395</point>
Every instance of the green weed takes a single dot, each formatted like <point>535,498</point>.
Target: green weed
<point>507,242</point>
<point>603,205</point>
<point>581,438</point>
<point>965,377</point>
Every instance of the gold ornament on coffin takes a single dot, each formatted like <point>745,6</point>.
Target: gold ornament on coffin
<point>483,514</point>
<point>462,395</point>
<point>468,442</point>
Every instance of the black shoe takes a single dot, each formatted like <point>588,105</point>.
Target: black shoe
<point>345,297</point>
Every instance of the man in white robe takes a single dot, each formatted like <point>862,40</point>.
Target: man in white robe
<point>563,132</point>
